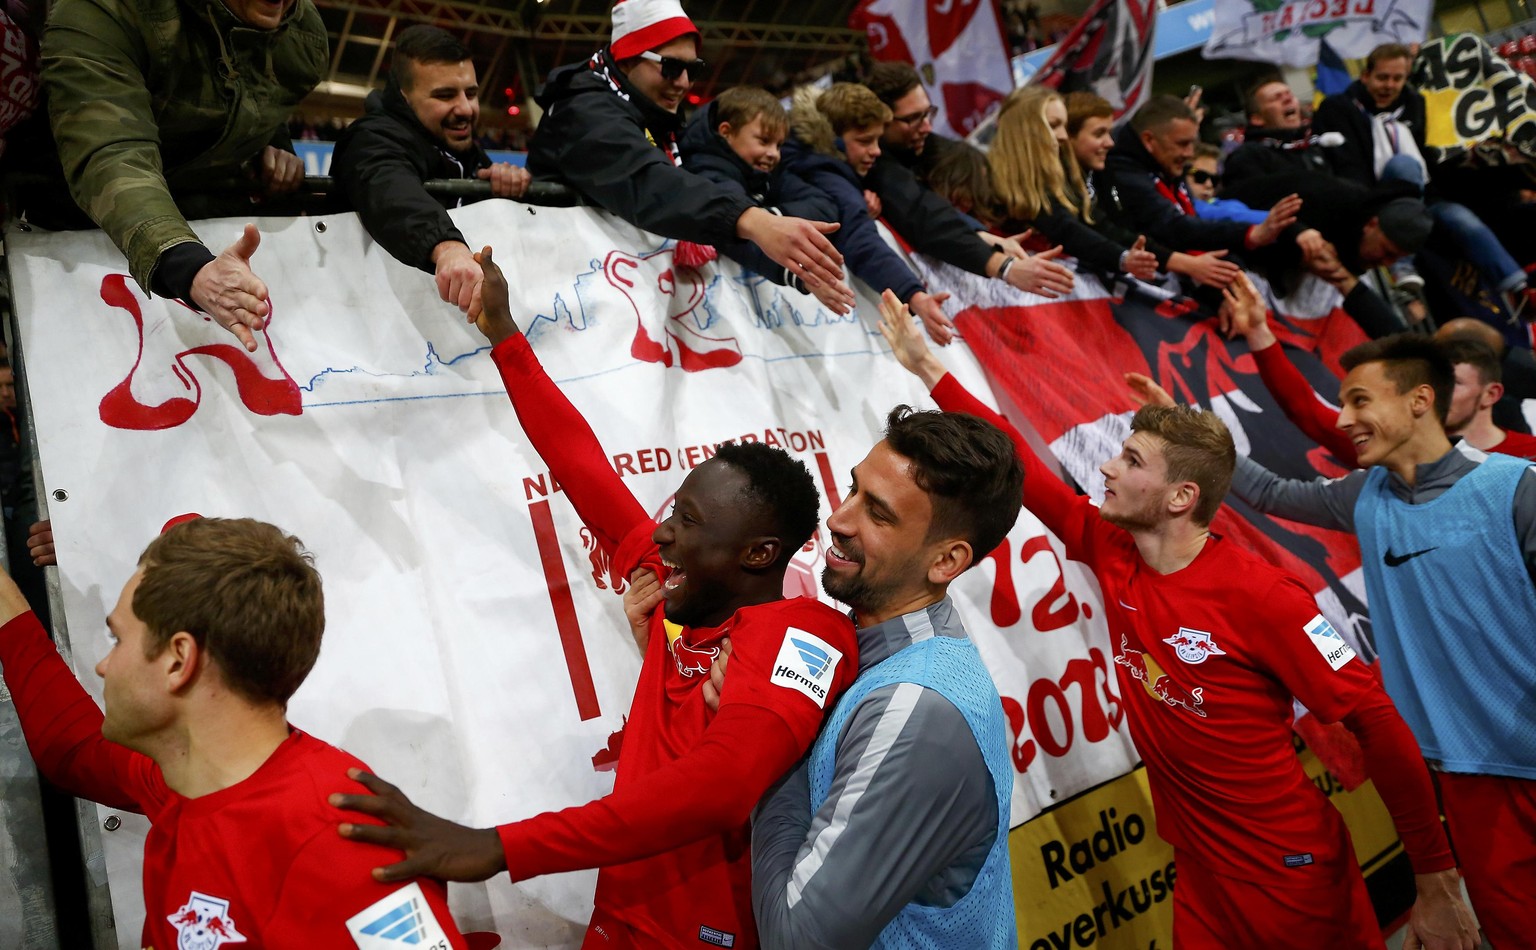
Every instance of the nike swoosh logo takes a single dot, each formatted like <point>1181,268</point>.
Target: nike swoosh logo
<point>1126,605</point>
<point>1395,560</point>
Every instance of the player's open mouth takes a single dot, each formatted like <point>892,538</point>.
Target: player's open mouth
<point>675,576</point>
<point>1361,439</point>
<point>836,557</point>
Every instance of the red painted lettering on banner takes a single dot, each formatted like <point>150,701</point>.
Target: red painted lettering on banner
<point>1050,721</point>
<point>680,341</point>
<point>160,369</point>
<point>569,628</point>
<point>1056,609</point>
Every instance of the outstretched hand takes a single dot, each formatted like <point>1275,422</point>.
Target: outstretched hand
<point>1243,313</point>
<point>1040,274</point>
<point>1147,392</point>
<point>1280,217</point>
<point>230,292</point>
<point>906,342</point>
<point>795,243</point>
<point>433,846</point>
<point>494,318</point>
<point>929,309</point>
<point>1140,262</point>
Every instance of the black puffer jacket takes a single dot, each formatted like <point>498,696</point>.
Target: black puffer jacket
<point>605,139</point>
<point>380,162</point>
<point>1349,113</point>
<point>708,155</point>
<point>1273,152</point>
<point>1133,176</point>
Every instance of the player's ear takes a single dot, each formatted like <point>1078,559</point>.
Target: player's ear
<point>182,660</point>
<point>951,558</point>
<point>762,553</point>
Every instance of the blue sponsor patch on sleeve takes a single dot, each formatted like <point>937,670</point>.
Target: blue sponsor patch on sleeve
<point>1298,860</point>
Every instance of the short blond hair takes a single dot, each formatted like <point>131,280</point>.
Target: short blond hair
<point>1197,447</point>
<point>739,105</point>
<point>851,105</point>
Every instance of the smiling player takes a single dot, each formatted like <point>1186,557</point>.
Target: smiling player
<point>1211,643</point>
<point>1448,549</point>
<point>672,838</point>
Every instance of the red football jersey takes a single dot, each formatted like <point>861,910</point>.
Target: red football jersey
<point>1517,444</point>
<point>1208,659</point>
<point>258,864</point>
<point>673,839</point>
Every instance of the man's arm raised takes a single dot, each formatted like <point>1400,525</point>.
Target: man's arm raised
<point>1244,313</point>
<point>795,243</point>
<point>556,429</point>
<point>61,723</point>
<point>1044,494</point>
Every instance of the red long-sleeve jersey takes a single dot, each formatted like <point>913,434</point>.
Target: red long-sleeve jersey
<point>1318,421</point>
<point>672,840</point>
<point>1208,659</point>
<point>258,864</point>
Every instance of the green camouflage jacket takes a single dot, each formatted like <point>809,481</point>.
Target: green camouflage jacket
<point>151,97</point>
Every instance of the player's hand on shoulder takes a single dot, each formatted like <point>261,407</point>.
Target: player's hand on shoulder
<point>716,681</point>
<point>434,847</point>
<point>640,599</point>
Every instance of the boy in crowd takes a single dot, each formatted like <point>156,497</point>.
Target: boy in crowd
<point>1203,177</point>
<point>836,143</point>
<point>210,637</point>
<point>735,141</point>
<point>1209,685</point>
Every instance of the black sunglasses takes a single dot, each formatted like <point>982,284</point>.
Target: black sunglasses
<point>672,67</point>
<point>1202,177</point>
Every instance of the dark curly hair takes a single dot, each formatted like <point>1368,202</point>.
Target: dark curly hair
<point>784,488</point>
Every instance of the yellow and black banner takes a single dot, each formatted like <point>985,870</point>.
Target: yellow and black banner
<point>1475,100</point>
<point>1092,872</point>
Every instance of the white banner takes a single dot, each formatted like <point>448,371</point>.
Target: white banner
<point>372,425</point>
<point>1287,32</point>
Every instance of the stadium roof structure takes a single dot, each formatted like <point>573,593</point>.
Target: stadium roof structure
<point>516,43</point>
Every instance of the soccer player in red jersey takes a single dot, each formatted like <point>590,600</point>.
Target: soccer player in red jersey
<point>672,839</point>
<point>1479,385</point>
<point>211,635</point>
<point>1211,643</point>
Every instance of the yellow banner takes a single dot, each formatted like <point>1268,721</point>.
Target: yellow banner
<point>1472,96</point>
<point>1093,872</point>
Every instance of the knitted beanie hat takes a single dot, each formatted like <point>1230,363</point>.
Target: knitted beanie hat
<point>639,25</point>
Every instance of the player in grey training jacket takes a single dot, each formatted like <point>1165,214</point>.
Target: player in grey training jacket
<point>893,832</point>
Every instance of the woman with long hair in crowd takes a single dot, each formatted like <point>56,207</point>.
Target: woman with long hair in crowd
<point>1089,130</point>
<point>1038,184</point>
